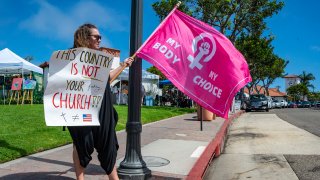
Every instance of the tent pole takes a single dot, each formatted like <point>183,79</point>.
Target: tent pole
<point>158,87</point>
<point>3,86</point>
<point>21,86</point>
<point>119,96</point>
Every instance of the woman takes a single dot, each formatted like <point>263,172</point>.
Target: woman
<point>103,137</point>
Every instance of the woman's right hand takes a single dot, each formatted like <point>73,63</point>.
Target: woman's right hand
<point>128,61</point>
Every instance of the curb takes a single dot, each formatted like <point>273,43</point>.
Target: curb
<point>213,149</point>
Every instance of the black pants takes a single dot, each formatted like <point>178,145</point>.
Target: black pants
<point>103,138</point>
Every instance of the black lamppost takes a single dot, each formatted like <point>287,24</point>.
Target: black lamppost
<point>133,166</point>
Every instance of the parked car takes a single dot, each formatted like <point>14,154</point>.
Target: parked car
<point>245,103</point>
<point>317,104</point>
<point>277,104</point>
<point>284,103</point>
<point>292,104</point>
<point>258,102</point>
<point>299,104</point>
<point>270,102</point>
<point>306,104</point>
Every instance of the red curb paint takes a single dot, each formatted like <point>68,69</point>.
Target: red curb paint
<point>212,150</point>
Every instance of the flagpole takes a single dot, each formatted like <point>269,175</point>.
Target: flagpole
<point>165,19</point>
<point>134,55</point>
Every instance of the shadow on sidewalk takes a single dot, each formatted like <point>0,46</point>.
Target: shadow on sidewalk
<point>35,175</point>
<point>190,119</point>
<point>91,169</point>
<point>56,162</point>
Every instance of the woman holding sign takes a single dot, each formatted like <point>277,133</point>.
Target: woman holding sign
<point>102,138</point>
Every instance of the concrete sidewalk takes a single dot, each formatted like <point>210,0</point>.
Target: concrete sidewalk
<point>173,148</point>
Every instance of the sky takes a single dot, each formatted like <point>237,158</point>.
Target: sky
<point>37,28</point>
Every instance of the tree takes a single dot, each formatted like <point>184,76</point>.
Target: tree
<point>29,58</point>
<point>230,17</point>
<point>233,17</point>
<point>264,65</point>
<point>297,91</point>
<point>163,7</point>
<point>156,71</point>
<point>274,71</point>
<point>257,51</point>
<point>242,21</point>
<point>305,79</point>
<point>314,96</point>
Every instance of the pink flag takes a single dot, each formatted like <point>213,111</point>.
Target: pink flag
<point>198,60</point>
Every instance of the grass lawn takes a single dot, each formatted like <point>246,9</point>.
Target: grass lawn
<point>23,130</point>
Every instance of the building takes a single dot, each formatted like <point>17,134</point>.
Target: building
<point>275,93</point>
<point>291,80</point>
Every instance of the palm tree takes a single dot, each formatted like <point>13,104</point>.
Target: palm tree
<point>29,58</point>
<point>305,79</point>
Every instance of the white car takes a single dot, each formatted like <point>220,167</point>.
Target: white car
<point>284,103</point>
<point>270,102</point>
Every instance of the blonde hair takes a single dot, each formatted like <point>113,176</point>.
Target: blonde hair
<point>81,36</point>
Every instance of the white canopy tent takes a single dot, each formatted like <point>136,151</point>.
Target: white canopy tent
<point>10,63</point>
<point>145,75</point>
<point>150,81</point>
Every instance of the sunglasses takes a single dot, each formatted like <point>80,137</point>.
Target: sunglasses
<point>97,37</point>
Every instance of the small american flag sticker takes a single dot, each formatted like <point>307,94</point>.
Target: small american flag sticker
<point>87,117</point>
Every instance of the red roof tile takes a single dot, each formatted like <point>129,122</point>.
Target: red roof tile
<point>291,76</point>
<point>273,92</point>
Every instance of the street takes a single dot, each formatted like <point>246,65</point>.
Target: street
<point>304,118</point>
<point>280,144</point>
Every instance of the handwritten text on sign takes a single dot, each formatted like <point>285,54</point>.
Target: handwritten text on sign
<point>76,84</point>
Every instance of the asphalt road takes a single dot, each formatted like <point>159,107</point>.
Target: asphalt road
<point>305,166</point>
<point>304,118</point>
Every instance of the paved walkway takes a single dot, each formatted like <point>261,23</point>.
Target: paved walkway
<point>173,148</point>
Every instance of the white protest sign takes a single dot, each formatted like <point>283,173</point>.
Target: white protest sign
<point>76,84</point>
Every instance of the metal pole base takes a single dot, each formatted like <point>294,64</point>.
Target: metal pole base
<point>134,174</point>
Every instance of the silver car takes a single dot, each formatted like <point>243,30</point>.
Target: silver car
<point>277,104</point>
<point>258,102</point>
